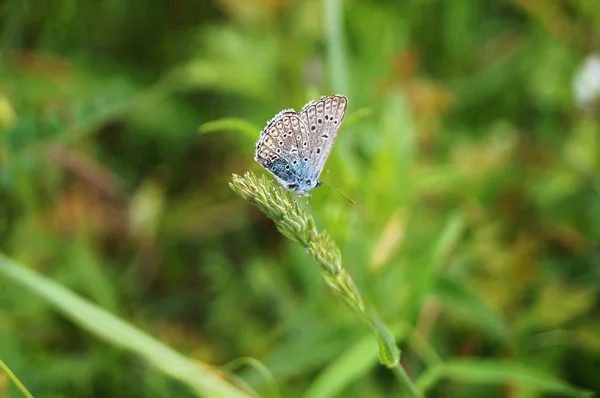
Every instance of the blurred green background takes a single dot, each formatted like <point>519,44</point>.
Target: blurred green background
<point>474,163</point>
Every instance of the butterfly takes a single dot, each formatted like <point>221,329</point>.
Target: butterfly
<point>295,146</point>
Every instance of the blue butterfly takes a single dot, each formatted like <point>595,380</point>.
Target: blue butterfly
<point>295,146</point>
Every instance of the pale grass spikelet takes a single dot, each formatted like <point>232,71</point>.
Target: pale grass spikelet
<point>326,253</point>
<point>293,222</point>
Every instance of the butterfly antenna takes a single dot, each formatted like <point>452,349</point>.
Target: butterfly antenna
<point>339,193</point>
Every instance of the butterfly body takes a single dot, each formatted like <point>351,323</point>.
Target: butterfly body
<point>301,178</point>
<point>295,146</point>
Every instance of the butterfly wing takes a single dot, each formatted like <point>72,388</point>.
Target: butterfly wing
<point>323,119</point>
<point>283,148</point>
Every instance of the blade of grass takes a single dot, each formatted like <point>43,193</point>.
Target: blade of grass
<point>336,57</point>
<point>260,368</point>
<point>490,372</point>
<point>355,362</point>
<point>15,379</point>
<point>356,116</point>
<point>232,123</point>
<point>111,329</point>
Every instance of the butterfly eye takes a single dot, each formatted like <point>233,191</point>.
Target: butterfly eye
<point>306,159</point>
<point>318,151</point>
<point>326,117</point>
<point>305,143</point>
<point>279,150</point>
<point>298,137</point>
<point>313,127</point>
<point>287,167</point>
<point>280,143</point>
<point>295,162</point>
<point>319,121</point>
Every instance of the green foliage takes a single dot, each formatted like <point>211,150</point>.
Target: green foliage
<point>474,166</point>
<point>14,379</point>
<point>296,225</point>
<point>114,331</point>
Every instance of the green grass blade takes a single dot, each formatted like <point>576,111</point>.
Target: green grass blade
<point>232,123</point>
<point>355,117</point>
<point>349,367</point>
<point>490,372</point>
<point>457,297</point>
<point>118,333</point>
<point>15,379</point>
<point>336,56</point>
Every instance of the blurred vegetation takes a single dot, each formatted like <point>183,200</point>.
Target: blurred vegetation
<point>475,168</point>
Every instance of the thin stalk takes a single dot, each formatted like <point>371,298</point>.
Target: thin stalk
<point>389,355</point>
<point>336,56</point>
<point>403,378</point>
<point>15,379</point>
<point>293,222</point>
